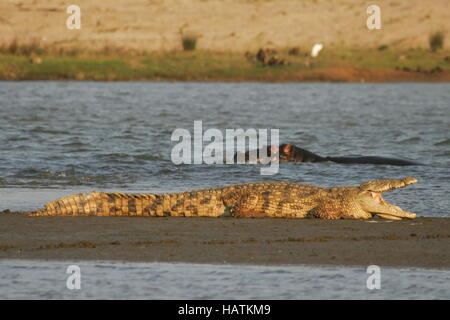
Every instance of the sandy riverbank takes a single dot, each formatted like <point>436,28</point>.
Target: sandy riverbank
<point>128,40</point>
<point>223,25</point>
<point>423,242</point>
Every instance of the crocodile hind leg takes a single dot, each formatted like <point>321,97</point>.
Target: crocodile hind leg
<point>335,210</point>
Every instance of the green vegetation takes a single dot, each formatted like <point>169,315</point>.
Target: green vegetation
<point>189,43</point>
<point>34,62</point>
<point>385,59</point>
<point>436,41</point>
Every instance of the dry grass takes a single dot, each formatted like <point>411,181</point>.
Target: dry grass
<point>223,25</point>
<point>22,48</point>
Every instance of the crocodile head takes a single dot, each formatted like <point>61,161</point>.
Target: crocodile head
<point>370,200</point>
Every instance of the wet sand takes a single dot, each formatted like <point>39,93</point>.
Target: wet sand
<point>423,242</point>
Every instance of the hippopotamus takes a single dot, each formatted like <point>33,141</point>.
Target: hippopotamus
<point>292,153</point>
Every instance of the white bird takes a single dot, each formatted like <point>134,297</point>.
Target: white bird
<point>316,49</point>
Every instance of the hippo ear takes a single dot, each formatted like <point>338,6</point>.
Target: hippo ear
<point>287,148</point>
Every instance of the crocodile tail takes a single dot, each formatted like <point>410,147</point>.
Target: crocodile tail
<point>124,204</point>
<point>73,205</point>
<point>103,204</point>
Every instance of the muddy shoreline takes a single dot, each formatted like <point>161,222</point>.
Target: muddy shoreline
<point>317,75</point>
<point>423,242</point>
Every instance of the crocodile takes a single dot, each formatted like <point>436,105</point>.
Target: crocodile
<point>292,153</point>
<point>261,199</point>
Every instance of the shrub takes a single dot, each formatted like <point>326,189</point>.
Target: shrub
<point>189,43</point>
<point>436,41</point>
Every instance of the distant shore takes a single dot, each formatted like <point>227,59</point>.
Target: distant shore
<point>336,66</point>
<point>422,242</point>
<point>198,40</point>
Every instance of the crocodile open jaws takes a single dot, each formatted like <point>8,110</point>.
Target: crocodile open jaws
<point>264,199</point>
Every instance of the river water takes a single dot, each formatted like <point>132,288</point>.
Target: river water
<point>115,280</point>
<point>58,138</point>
